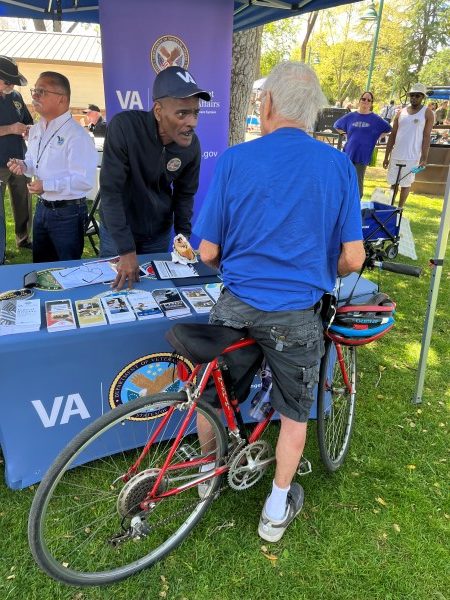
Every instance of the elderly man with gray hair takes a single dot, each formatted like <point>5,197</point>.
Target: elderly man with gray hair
<point>281,219</point>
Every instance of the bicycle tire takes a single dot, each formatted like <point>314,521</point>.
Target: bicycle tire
<point>75,510</point>
<point>335,406</point>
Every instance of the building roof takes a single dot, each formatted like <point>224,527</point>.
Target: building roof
<point>51,46</point>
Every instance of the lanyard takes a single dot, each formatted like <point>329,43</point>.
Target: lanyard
<point>39,153</point>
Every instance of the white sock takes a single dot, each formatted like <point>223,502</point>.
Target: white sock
<point>275,507</point>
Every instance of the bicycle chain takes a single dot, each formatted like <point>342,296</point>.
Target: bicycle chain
<point>181,511</point>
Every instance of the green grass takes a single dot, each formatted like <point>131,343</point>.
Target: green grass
<point>376,530</point>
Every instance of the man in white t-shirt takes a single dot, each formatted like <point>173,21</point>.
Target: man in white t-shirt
<point>409,141</point>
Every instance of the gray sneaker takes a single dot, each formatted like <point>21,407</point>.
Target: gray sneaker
<point>271,530</point>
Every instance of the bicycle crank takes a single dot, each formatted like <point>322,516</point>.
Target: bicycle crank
<point>249,465</point>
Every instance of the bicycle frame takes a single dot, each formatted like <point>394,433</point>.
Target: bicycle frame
<point>231,410</point>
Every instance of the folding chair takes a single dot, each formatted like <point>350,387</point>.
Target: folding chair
<point>92,228</point>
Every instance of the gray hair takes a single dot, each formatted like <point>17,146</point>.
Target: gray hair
<point>296,93</point>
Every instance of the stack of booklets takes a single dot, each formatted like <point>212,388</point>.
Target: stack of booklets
<point>19,316</point>
<point>198,299</point>
<point>171,303</point>
<point>145,306</point>
<point>59,315</point>
<point>118,309</point>
<point>90,312</point>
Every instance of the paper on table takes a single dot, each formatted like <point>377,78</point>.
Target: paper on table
<point>170,270</point>
<point>87,274</point>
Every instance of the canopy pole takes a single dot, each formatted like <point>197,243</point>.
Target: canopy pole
<point>433,293</point>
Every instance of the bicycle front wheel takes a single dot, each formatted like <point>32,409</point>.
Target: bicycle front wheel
<point>336,400</point>
<point>89,524</point>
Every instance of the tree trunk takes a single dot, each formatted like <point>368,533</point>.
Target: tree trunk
<point>244,70</point>
<point>39,25</point>
<point>312,18</point>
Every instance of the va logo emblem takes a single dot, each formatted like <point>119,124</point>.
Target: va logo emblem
<point>60,140</point>
<point>169,51</point>
<point>145,376</point>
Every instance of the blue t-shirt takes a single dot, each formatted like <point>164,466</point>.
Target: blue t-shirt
<point>280,207</point>
<point>362,134</point>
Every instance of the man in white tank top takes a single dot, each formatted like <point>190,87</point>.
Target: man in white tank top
<point>409,141</point>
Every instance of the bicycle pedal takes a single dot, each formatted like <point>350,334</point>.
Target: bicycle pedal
<point>304,467</point>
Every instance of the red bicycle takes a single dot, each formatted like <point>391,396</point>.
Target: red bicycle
<point>100,515</point>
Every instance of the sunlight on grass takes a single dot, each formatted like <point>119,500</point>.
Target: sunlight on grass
<point>412,352</point>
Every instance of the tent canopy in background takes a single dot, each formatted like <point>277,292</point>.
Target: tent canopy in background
<point>247,13</point>
<point>439,93</point>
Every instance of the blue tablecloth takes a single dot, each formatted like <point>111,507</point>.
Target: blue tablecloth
<point>53,385</point>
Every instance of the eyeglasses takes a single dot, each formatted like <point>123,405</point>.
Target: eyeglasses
<point>415,95</point>
<point>41,92</point>
<point>365,99</point>
<point>7,82</point>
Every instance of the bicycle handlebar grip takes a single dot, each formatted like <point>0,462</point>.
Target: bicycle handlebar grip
<point>401,268</point>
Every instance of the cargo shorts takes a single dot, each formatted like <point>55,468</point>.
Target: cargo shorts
<point>292,344</point>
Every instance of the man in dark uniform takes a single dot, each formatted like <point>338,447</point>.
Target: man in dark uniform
<point>150,173</point>
<point>14,121</point>
<point>96,124</point>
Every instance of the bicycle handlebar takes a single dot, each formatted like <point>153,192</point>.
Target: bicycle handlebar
<point>398,268</point>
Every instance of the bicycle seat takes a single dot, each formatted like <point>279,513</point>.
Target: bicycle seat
<point>202,343</point>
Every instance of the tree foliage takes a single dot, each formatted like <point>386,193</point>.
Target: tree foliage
<point>278,41</point>
<point>437,70</point>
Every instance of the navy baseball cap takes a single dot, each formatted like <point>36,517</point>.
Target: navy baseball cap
<point>175,82</point>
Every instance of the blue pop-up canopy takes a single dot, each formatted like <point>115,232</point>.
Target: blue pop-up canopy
<point>439,93</point>
<point>247,13</point>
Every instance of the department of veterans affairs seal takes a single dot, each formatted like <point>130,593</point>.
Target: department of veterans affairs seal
<point>174,164</point>
<point>146,376</point>
<point>169,51</point>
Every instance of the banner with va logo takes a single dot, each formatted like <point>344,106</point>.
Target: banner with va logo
<point>139,39</point>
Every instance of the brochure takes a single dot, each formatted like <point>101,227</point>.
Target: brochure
<point>59,315</point>
<point>145,306</point>
<point>118,309</point>
<point>214,290</point>
<point>90,312</point>
<point>171,303</point>
<point>19,316</point>
<point>198,299</point>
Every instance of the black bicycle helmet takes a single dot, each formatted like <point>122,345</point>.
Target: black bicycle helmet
<point>358,324</point>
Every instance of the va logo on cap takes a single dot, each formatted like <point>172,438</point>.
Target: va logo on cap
<point>169,51</point>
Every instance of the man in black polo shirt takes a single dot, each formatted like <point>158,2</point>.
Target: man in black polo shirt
<point>150,173</point>
<point>96,124</point>
<point>14,119</point>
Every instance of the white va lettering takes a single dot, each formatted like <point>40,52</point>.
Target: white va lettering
<point>187,78</point>
<point>74,406</point>
<point>131,100</point>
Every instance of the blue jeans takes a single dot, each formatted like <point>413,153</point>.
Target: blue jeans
<point>158,243</point>
<point>58,233</point>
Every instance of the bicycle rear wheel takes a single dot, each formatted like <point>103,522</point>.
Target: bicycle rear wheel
<point>80,516</point>
<point>336,400</point>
